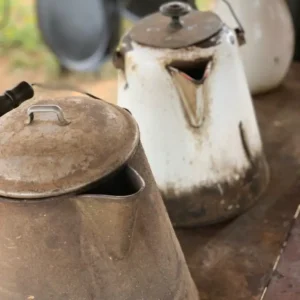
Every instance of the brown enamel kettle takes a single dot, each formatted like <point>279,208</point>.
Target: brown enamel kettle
<point>80,213</point>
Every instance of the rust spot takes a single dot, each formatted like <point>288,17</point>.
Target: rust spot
<point>126,44</point>
<point>119,60</point>
<point>205,206</point>
<point>119,57</point>
<point>240,34</point>
<point>133,67</point>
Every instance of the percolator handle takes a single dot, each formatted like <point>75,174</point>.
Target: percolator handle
<point>240,31</point>
<point>43,108</point>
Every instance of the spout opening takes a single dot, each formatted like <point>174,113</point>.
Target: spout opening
<point>195,71</point>
<point>121,184</point>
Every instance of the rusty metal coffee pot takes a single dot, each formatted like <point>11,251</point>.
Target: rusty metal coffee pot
<point>80,213</point>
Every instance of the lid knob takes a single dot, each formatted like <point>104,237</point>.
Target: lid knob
<point>175,10</point>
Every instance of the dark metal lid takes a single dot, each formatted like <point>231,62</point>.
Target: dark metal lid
<point>55,147</point>
<point>176,26</point>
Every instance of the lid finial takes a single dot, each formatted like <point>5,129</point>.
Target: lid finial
<point>175,10</point>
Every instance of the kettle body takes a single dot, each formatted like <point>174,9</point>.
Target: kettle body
<point>111,239</point>
<point>198,126</point>
<point>268,54</point>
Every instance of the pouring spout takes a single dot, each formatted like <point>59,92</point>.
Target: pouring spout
<point>189,79</point>
<point>111,214</point>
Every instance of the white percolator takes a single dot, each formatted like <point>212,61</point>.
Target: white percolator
<point>181,76</point>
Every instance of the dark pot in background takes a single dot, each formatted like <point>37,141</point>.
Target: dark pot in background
<point>81,35</point>
<point>294,6</point>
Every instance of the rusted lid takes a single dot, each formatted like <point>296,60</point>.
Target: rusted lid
<point>176,26</point>
<point>59,146</point>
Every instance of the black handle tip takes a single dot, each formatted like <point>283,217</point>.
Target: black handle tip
<point>20,93</point>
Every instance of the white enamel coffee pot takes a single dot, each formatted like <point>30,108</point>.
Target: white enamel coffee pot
<point>270,39</point>
<point>181,76</point>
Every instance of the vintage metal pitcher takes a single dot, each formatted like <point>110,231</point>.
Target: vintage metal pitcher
<point>181,76</point>
<point>80,213</point>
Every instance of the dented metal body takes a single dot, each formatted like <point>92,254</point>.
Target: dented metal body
<point>110,238</point>
<point>198,127</point>
<point>270,40</point>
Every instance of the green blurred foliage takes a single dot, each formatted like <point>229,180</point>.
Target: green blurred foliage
<point>20,40</point>
<point>205,4</point>
<point>21,28</point>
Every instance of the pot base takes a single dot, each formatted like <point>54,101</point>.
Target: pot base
<point>220,203</point>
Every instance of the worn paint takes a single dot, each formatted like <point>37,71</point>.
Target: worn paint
<point>185,158</point>
<point>214,204</point>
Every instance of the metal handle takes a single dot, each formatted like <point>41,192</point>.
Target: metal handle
<point>175,10</point>
<point>46,109</point>
<point>240,32</point>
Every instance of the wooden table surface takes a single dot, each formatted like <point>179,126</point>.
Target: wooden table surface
<point>285,281</point>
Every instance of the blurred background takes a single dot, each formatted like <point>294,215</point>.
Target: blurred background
<point>26,24</point>
<point>24,55</point>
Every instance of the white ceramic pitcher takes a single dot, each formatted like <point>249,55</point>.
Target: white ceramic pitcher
<point>270,39</point>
